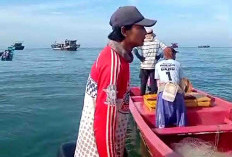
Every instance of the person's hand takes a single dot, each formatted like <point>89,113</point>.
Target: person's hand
<point>157,57</point>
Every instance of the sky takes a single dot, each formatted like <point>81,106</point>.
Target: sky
<point>40,23</point>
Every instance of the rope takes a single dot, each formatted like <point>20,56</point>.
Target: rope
<point>217,137</point>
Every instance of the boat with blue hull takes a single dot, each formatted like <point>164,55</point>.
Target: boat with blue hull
<point>7,55</point>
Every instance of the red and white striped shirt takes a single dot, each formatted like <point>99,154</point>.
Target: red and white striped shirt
<point>104,118</point>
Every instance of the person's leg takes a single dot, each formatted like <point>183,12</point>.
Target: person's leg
<point>164,112</point>
<point>125,153</point>
<point>144,77</point>
<point>180,109</point>
<point>148,85</point>
<point>153,84</point>
<point>161,119</point>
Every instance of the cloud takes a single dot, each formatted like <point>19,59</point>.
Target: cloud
<point>184,16</point>
<point>222,17</point>
<point>57,13</point>
<point>88,20</point>
<point>43,6</point>
<point>184,3</point>
<point>44,23</point>
<point>133,2</point>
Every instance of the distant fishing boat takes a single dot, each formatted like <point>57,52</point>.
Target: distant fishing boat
<point>204,46</point>
<point>69,45</point>
<point>174,45</point>
<point>7,55</point>
<point>18,46</point>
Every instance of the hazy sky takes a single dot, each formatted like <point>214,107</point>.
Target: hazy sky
<point>39,23</point>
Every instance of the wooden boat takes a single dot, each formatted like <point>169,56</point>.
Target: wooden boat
<point>68,45</point>
<point>18,46</point>
<point>212,124</point>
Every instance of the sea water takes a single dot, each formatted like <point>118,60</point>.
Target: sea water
<point>42,91</point>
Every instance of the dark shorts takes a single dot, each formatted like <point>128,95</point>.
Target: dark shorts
<point>144,75</point>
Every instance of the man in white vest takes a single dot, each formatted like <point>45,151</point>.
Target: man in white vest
<point>149,57</point>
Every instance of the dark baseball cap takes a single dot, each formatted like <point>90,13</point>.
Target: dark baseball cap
<point>129,15</point>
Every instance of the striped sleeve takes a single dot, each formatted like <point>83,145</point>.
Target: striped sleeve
<point>106,108</point>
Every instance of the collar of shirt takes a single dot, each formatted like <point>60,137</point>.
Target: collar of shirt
<point>149,39</point>
<point>116,46</point>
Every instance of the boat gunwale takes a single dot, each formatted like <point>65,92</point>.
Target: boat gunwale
<point>151,137</point>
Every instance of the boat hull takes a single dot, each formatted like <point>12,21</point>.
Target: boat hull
<point>65,49</point>
<point>71,49</point>
<point>19,48</point>
<point>211,124</point>
<point>204,46</point>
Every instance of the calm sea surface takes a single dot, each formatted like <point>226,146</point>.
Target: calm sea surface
<point>41,93</point>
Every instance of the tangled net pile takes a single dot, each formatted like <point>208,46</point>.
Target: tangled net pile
<point>194,147</point>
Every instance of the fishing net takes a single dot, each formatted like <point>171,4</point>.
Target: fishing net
<point>194,147</point>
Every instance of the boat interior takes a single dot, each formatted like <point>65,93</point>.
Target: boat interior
<point>212,124</point>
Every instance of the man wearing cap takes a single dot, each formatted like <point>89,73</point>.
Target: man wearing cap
<point>149,57</point>
<point>104,118</point>
<point>170,108</point>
